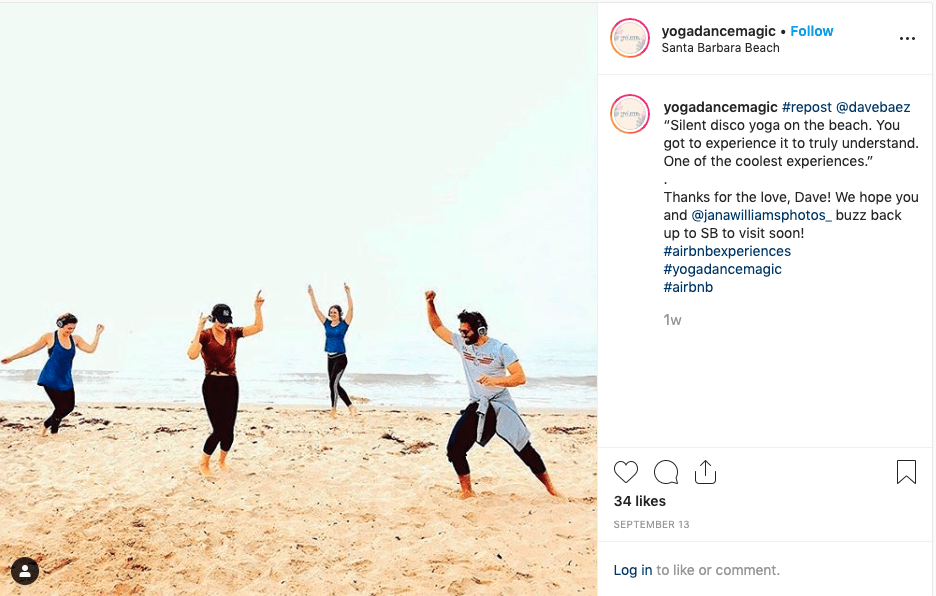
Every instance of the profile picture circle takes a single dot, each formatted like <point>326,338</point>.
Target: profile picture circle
<point>24,571</point>
<point>630,38</point>
<point>630,114</point>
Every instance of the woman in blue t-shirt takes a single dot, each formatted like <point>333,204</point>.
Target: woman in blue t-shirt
<point>56,375</point>
<point>335,330</point>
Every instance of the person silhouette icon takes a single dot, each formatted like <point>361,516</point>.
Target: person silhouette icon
<point>24,571</point>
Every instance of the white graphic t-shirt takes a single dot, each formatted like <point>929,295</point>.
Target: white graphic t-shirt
<point>491,359</point>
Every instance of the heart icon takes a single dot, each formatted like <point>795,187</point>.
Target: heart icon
<point>625,470</point>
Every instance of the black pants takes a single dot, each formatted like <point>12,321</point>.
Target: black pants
<point>220,395</point>
<point>463,438</point>
<point>336,366</point>
<point>64,402</point>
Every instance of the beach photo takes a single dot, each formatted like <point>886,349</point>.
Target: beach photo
<point>303,299</point>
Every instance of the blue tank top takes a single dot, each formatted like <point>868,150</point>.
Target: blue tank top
<point>57,373</point>
<point>334,336</point>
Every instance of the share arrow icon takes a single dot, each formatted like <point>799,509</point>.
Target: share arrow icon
<point>705,478</point>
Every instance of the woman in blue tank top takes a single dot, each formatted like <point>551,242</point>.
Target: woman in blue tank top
<point>335,330</point>
<point>56,375</point>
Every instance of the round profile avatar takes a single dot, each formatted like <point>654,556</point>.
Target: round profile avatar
<point>630,114</point>
<point>630,38</point>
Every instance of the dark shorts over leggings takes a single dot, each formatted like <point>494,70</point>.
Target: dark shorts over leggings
<point>465,433</point>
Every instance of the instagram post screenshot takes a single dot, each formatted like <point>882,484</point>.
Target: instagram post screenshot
<point>765,298</point>
<point>299,299</point>
<point>312,298</point>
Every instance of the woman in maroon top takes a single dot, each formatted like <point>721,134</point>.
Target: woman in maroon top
<point>218,347</point>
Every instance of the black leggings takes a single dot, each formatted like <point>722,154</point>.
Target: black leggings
<point>336,366</point>
<point>64,402</point>
<point>463,438</point>
<point>220,395</point>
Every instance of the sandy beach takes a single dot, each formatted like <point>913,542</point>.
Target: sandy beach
<point>115,504</point>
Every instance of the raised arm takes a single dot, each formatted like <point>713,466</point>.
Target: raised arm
<point>315,307</point>
<point>194,349</point>
<point>257,326</point>
<point>85,346</point>
<point>350,314</point>
<point>44,341</point>
<point>516,377</point>
<point>434,321</point>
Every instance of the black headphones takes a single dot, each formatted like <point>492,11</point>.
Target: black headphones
<point>479,323</point>
<point>65,319</point>
<point>475,320</point>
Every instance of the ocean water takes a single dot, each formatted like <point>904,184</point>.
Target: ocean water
<point>431,375</point>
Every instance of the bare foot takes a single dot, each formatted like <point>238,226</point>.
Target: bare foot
<point>44,431</point>
<point>334,412</point>
<point>465,483</point>
<point>547,482</point>
<point>203,466</point>
<point>222,463</point>
<point>353,410</point>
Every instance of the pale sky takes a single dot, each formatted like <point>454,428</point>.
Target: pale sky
<point>160,158</point>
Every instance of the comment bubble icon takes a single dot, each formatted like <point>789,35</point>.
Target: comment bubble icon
<point>666,472</point>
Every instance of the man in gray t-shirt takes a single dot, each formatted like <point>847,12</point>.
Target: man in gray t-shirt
<point>490,367</point>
